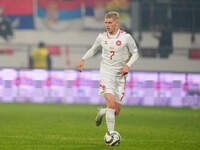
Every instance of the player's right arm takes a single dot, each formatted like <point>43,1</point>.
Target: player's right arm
<point>89,53</point>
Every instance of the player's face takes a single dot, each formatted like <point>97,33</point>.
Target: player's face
<point>111,25</point>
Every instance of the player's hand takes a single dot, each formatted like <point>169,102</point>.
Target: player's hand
<point>124,70</point>
<point>80,64</point>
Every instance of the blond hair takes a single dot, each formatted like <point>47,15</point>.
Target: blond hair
<point>112,14</point>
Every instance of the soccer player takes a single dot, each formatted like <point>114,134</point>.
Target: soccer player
<point>119,52</point>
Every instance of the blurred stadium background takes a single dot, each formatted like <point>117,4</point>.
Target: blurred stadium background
<point>69,29</point>
<point>168,78</point>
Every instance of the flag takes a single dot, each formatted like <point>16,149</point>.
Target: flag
<point>57,14</point>
<point>95,11</point>
<point>19,12</point>
<point>94,14</point>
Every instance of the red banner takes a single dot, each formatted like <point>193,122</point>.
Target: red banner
<point>17,7</point>
<point>61,4</point>
<point>54,50</point>
<point>194,53</point>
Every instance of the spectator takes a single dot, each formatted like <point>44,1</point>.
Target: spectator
<point>40,58</point>
<point>6,30</point>
<point>165,47</point>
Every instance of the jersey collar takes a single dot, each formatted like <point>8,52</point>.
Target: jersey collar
<point>113,36</point>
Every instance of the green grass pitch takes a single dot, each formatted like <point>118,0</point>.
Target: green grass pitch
<point>72,127</point>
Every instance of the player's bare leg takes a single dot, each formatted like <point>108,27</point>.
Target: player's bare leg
<point>102,111</point>
<point>112,108</point>
<point>117,108</point>
<point>111,104</point>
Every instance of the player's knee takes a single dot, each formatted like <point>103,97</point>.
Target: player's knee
<point>111,106</point>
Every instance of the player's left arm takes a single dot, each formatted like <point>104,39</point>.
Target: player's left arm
<point>134,55</point>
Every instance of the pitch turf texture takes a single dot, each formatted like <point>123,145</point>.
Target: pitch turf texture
<point>72,127</point>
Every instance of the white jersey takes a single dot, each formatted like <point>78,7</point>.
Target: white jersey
<point>117,50</point>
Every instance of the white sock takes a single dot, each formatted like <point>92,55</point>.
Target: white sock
<point>110,119</point>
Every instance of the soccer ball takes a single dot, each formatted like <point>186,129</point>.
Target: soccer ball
<point>113,139</point>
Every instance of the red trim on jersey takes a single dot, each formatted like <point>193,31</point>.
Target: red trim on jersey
<point>122,96</point>
<point>103,87</point>
<point>124,32</point>
<point>120,31</point>
<point>107,35</point>
<point>118,34</point>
